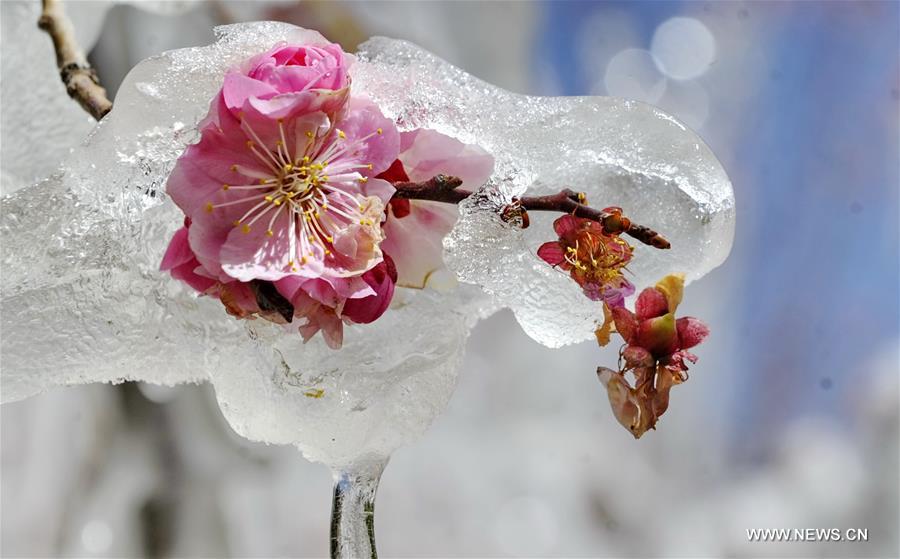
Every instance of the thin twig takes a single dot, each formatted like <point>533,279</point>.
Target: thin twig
<point>444,189</point>
<point>76,73</point>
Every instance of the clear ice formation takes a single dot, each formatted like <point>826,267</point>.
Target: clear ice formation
<point>83,301</point>
<point>621,153</point>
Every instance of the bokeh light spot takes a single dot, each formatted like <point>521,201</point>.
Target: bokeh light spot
<point>683,48</point>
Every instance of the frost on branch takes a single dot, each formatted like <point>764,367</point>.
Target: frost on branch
<point>83,300</point>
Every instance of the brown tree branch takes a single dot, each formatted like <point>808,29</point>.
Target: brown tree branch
<point>442,188</point>
<point>81,81</point>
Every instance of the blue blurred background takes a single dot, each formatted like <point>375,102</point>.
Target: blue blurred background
<point>790,419</point>
<point>800,101</point>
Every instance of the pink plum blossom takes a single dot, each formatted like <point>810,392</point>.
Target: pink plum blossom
<point>285,196</point>
<point>281,188</point>
<point>593,258</point>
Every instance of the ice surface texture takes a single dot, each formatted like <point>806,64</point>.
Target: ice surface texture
<point>82,300</point>
<point>620,152</point>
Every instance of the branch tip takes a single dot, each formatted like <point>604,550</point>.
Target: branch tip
<point>80,79</point>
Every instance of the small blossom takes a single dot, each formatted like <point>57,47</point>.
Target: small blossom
<point>594,259</point>
<point>655,353</point>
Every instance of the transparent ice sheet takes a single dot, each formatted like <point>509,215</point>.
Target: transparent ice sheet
<point>82,300</point>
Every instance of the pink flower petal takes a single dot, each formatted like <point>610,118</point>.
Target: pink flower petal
<point>566,225</point>
<point>691,331</point>
<point>323,292</point>
<point>178,252</point>
<point>626,323</point>
<point>190,273</point>
<point>427,153</point>
<point>417,241</point>
<point>238,298</point>
<point>636,356</point>
<point>364,119</point>
<point>238,88</point>
<point>290,104</point>
<point>354,287</point>
<point>552,253</point>
<point>378,188</point>
<point>650,304</point>
<point>332,329</point>
<point>206,235</point>
<point>320,318</point>
<point>256,255</point>
<point>367,309</point>
<point>658,335</point>
<point>204,168</point>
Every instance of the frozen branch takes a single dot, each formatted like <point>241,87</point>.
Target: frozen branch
<point>441,188</point>
<point>80,79</point>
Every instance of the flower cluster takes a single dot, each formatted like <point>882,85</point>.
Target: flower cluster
<point>655,352</point>
<point>291,215</point>
<point>287,196</point>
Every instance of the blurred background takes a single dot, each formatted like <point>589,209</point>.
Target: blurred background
<point>790,419</point>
